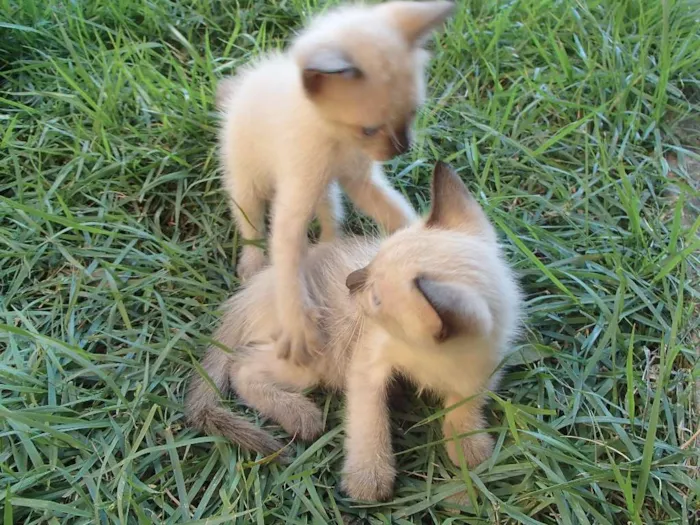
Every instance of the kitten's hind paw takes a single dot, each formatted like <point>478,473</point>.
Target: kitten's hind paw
<point>476,449</point>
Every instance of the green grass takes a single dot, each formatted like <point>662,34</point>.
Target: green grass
<point>116,248</point>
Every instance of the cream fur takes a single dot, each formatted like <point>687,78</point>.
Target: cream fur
<point>292,133</point>
<point>435,302</point>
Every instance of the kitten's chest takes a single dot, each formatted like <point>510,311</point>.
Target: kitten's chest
<point>462,372</point>
<point>348,164</point>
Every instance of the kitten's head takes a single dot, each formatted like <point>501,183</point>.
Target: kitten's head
<point>443,278</point>
<point>362,66</point>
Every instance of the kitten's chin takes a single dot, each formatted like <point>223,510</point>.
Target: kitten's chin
<point>382,156</point>
<point>389,151</point>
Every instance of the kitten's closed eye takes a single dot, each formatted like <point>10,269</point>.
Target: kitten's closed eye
<point>374,297</point>
<point>370,131</point>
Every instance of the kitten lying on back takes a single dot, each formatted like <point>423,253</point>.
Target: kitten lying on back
<point>299,124</point>
<point>435,302</point>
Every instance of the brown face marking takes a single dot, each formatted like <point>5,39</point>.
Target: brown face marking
<point>399,140</point>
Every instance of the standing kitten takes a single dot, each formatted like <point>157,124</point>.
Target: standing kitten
<point>435,303</point>
<point>298,124</point>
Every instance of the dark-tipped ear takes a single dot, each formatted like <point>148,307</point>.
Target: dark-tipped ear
<point>453,207</point>
<point>357,279</point>
<point>416,20</point>
<point>325,64</point>
<point>462,311</point>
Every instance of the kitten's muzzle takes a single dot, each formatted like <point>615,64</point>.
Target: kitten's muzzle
<point>400,142</point>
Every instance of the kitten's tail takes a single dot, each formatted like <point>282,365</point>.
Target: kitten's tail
<point>205,412</point>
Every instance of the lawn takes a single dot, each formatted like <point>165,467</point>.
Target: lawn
<point>575,123</point>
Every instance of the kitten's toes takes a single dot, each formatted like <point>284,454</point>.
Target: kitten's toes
<point>476,449</point>
<point>303,341</point>
<point>251,261</point>
<point>462,499</point>
<point>314,340</point>
<point>305,422</point>
<point>283,347</point>
<point>370,481</point>
<point>287,347</point>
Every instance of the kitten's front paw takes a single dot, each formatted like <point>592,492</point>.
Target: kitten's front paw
<point>369,480</point>
<point>301,339</point>
<point>476,449</point>
<point>250,262</point>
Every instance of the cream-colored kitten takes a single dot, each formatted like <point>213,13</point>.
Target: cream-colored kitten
<point>299,124</point>
<point>435,302</point>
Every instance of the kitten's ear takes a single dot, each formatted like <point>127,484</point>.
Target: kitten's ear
<point>416,20</point>
<point>453,207</point>
<point>460,309</point>
<point>356,280</point>
<point>327,65</point>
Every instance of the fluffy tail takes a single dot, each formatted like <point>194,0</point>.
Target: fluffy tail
<point>205,412</point>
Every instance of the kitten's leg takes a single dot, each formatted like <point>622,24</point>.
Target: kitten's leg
<point>375,196</point>
<point>330,212</point>
<point>249,212</point>
<point>273,387</point>
<point>293,209</point>
<point>248,209</point>
<point>467,417</point>
<point>368,473</point>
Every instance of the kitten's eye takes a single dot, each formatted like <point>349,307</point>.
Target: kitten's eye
<point>370,132</point>
<point>376,301</point>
